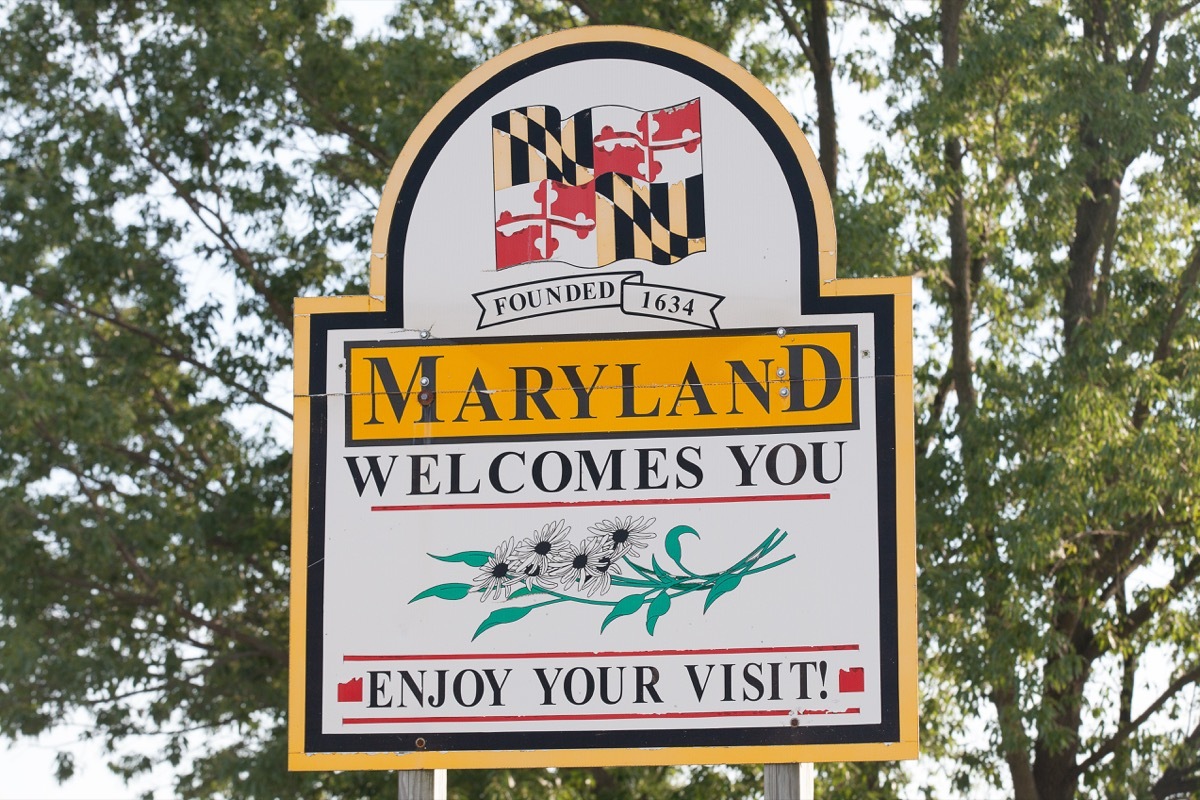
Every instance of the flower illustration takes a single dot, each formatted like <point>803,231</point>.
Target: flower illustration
<point>497,575</point>
<point>623,536</point>
<point>602,580</point>
<point>537,555</point>
<point>545,565</point>
<point>582,562</point>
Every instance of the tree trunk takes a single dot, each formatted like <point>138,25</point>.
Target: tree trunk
<point>817,26</point>
<point>959,273</point>
<point>1096,212</point>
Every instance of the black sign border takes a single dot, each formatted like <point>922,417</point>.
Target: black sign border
<point>880,307</point>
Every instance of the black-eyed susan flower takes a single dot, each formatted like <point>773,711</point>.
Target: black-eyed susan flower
<point>582,563</point>
<point>499,573</point>
<point>622,536</point>
<point>602,580</point>
<point>537,555</point>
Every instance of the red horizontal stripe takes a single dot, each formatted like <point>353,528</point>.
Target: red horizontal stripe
<point>580,717</point>
<point>720,651</point>
<point>666,501</point>
<point>564,717</point>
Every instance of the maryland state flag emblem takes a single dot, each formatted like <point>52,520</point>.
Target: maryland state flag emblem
<point>606,184</point>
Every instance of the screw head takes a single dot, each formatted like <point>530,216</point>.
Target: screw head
<point>780,332</point>
<point>424,334</point>
<point>424,381</point>
<point>779,373</point>
<point>783,392</point>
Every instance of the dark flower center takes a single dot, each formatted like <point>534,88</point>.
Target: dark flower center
<point>542,548</point>
<point>579,562</point>
<point>620,536</point>
<point>500,570</point>
<point>604,565</point>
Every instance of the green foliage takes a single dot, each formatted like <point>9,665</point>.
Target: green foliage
<point>614,783</point>
<point>1057,518</point>
<point>173,173</point>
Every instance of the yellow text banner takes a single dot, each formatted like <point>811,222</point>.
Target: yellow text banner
<point>423,390</point>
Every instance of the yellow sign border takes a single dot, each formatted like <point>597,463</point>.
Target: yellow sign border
<point>900,288</point>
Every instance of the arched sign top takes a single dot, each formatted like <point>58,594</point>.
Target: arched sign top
<point>608,468</point>
<point>596,151</point>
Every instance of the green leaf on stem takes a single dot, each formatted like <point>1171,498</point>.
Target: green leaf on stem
<point>502,616</point>
<point>446,591</point>
<point>672,541</point>
<point>659,572</point>
<point>626,606</point>
<point>660,605</point>
<point>724,584</point>
<point>472,558</point>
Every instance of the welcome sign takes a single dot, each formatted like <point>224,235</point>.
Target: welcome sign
<point>609,467</point>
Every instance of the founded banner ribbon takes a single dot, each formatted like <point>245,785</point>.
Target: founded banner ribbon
<point>624,290</point>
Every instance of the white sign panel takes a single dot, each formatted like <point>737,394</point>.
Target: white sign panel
<point>609,469</point>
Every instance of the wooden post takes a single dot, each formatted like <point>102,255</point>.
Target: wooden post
<point>422,784</point>
<point>788,782</point>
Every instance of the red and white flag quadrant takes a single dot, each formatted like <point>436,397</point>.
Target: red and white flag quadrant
<point>605,184</point>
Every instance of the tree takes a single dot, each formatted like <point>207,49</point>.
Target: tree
<point>152,155</point>
<point>174,173</point>
<point>1059,488</point>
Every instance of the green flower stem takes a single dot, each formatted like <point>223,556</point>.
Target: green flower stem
<point>574,599</point>
<point>634,583</point>
<point>687,590</point>
<point>645,573</point>
<point>653,575</point>
<point>766,546</point>
<point>750,558</point>
<point>769,566</point>
<point>620,580</point>
<point>548,602</point>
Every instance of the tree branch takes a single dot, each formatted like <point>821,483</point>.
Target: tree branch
<point>881,11</point>
<point>592,17</point>
<point>1149,43</point>
<point>1145,70</point>
<point>793,28</point>
<point>221,231</point>
<point>1125,731</point>
<point>1181,781</point>
<point>340,125</point>
<point>64,305</point>
<point>1187,284</point>
<point>938,406</point>
<point>1140,614</point>
<point>1162,349</point>
<point>156,588</point>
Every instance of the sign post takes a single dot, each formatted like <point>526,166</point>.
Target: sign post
<point>788,782</point>
<point>422,784</point>
<point>609,468</point>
